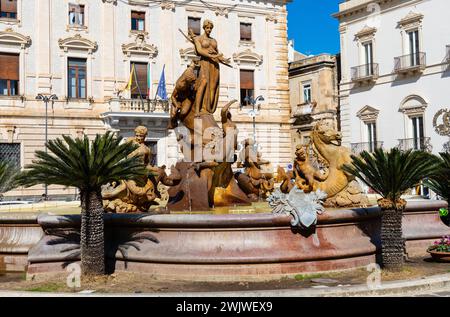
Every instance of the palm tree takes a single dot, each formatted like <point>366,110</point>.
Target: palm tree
<point>439,182</point>
<point>87,166</point>
<point>391,174</point>
<point>8,173</point>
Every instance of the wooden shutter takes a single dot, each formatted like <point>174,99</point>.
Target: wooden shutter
<point>9,66</point>
<point>141,75</point>
<point>247,79</point>
<point>8,6</point>
<point>76,8</point>
<point>194,25</point>
<point>246,32</point>
<point>138,15</point>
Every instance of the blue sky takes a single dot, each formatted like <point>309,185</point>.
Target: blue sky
<point>312,27</point>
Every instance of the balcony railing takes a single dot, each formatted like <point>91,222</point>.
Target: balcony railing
<point>367,72</point>
<point>415,144</point>
<point>357,148</point>
<point>410,63</point>
<point>144,105</point>
<point>447,56</point>
<point>304,109</point>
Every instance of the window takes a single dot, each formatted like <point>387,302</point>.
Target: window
<point>307,93</point>
<point>194,24</point>
<point>368,58</point>
<point>246,32</point>
<point>247,85</point>
<point>76,14</point>
<point>8,9</point>
<point>9,74</point>
<point>139,87</point>
<point>77,78</point>
<point>10,152</point>
<point>418,132</point>
<point>414,47</point>
<point>137,21</point>
<point>372,135</point>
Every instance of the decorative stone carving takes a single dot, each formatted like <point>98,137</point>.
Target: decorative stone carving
<point>366,34</point>
<point>248,56</point>
<point>368,114</point>
<point>441,122</point>
<point>114,2</point>
<point>188,55</point>
<point>168,5</point>
<point>412,20</point>
<point>10,131</point>
<point>413,105</point>
<point>77,42</point>
<point>141,47</point>
<point>10,37</point>
<point>303,207</point>
<point>272,18</point>
<point>222,11</point>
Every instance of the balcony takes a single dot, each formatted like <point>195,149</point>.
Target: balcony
<point>304,109</point>
<point>147,112</point>
<point>447,56</point>
<point>144,105</point>
<point>422,144</point>
<point>365,73</point>
<point>411,63</point>
<point>357,148</point>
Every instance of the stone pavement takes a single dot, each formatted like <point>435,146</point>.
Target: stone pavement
<point>433,286</point>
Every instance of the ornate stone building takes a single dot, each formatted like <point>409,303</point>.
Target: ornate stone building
<point>83,51</point>
<point>395,74</point>
<point>313,83</point>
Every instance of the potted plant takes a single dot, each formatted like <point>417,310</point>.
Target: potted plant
<point>440,251</point>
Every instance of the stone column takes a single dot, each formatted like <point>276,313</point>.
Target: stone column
<point>43,45</point>
<point>108,49</point>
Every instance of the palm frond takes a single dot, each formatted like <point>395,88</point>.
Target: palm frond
<point>8,175</point>
<point>84,164</point>
<point>392,173</point>
<point>439,182</point>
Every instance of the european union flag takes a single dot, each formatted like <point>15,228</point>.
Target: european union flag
<point>162,92</point>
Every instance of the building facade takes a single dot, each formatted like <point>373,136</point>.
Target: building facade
<point>395,74</point>
<point>83,51</point>
<point>313,84</point>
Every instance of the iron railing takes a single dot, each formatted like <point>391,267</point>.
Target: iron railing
<point>415,144</point>
<point>10,152</point>
<point>357,148</point>
<point>365,72</point>
<point>447,56</point>
<point>144,105</point>
<point>410,61</point>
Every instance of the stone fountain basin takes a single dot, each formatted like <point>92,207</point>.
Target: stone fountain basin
<point>222,247</point>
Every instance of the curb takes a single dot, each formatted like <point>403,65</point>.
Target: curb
<point>395,288</point>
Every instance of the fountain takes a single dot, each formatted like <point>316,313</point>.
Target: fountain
<point>154,230</point>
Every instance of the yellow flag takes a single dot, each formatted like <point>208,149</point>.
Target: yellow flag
<point>130,81</point>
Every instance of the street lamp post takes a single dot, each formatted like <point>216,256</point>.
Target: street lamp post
<point>249,100</point>
<point>46,99</point>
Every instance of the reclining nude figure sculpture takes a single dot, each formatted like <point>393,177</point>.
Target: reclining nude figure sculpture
<point>139,195</point>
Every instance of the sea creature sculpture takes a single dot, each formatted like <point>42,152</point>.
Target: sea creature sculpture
<point>304,207</point>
